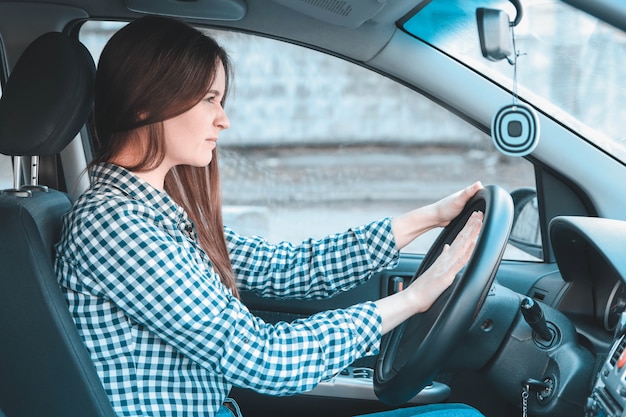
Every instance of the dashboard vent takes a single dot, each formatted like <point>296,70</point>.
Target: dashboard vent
<point>607,403</point>
<point>618,352</point>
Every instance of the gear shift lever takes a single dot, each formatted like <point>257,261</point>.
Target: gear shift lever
<point>534,317</point>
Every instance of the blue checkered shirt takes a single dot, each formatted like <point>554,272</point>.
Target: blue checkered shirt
<point>168,339</point>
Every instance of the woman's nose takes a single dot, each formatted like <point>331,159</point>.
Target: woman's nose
<point>222,120</point>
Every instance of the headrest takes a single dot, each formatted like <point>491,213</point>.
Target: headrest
<point>47,98</point>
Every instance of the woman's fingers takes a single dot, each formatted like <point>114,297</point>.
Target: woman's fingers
<point>452,259</point>
<point>465,241</point>
<point>450,207</point>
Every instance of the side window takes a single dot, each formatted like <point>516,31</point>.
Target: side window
<point>317,144</point>
<point>6,172</point>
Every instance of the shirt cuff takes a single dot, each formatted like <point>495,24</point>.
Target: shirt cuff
<point>368,323</point>
<point>382,247</point>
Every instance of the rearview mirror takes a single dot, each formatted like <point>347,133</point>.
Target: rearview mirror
<point>494,31</point>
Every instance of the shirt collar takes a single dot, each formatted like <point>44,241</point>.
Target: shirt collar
<point>109,175</point>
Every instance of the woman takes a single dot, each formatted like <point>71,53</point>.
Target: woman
<point>152,276</point>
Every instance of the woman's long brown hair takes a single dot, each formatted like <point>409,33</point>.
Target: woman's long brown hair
<point>153,69</point>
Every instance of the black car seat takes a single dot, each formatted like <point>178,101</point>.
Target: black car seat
<point>45,370</point>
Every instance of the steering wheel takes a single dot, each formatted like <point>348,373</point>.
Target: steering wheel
<point>412,354</point>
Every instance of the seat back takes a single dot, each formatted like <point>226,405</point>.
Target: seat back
<point>45,369</point>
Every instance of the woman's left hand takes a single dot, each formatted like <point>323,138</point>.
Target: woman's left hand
<point>439,214</point>
<point>451,206</point>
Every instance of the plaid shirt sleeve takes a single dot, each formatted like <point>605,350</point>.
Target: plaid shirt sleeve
<point>315,268</point>
<point>164,285</point>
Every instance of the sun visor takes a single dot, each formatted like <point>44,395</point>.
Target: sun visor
<point>200,9</point>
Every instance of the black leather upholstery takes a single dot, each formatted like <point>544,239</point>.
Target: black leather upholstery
<point>45,370</point>
<point>47,98</point>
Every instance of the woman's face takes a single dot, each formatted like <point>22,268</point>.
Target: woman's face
<point>191,136</point>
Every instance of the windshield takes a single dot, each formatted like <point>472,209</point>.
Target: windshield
<point>570,65</point>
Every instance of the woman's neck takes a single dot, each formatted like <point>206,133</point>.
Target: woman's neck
<point>132,155</point>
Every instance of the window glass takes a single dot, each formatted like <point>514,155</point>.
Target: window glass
<point>570,63</point>
<point>317,144</point>
<point>6,172</point>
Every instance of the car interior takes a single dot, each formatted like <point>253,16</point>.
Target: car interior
<point>48,359</point>
<point>538,333</point>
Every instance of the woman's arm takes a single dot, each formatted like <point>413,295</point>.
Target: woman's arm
<point>131,279</point>
<point>321,268</point>
<point>314,268</point>
<point>423,292</point>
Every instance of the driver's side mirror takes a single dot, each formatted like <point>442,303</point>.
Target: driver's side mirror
<point>526,232</point>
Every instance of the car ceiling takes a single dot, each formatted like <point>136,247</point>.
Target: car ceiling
<point>260,17</point>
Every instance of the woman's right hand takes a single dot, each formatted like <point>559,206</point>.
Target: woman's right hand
<point>436,279</point>
<point>423,292</point>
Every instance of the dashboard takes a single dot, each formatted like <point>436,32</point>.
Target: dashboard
<point>608,398</point>
<point>614,306</point>
<point>591,258</point>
